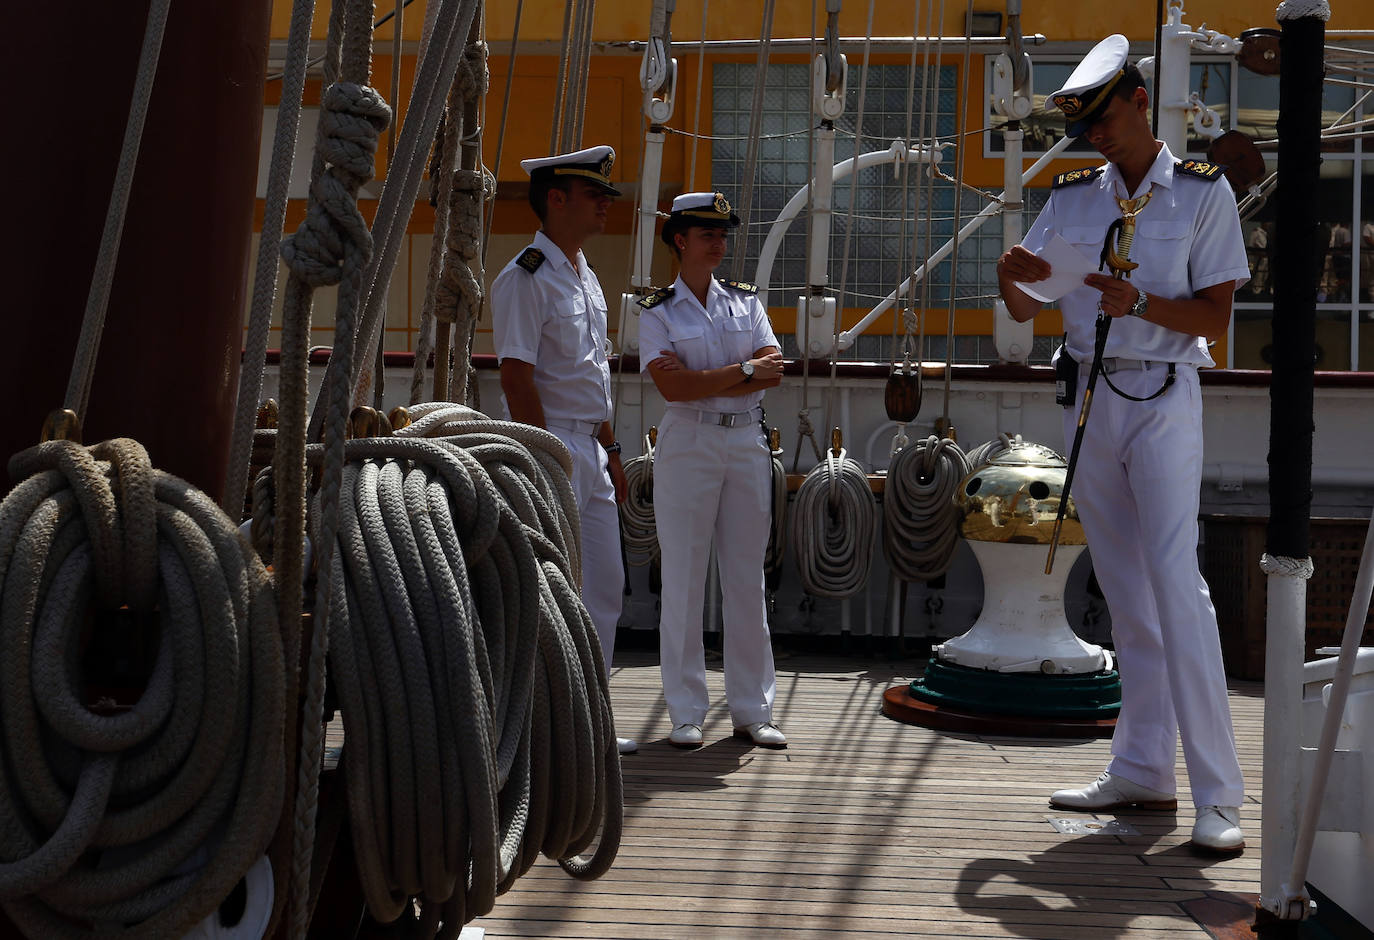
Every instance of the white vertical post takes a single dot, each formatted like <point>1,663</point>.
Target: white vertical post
<point>1174,70</point>
<point>1012,339</point>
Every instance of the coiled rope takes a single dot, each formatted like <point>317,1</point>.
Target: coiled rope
<point>832,527</point>
<point>988,451</point>
<point>920,518</point>
<point>638,528</point>
<point>478,730</point>
<point>101,813</point>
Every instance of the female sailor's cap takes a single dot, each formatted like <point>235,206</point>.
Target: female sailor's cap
<point>1088,92</point>
<point>593,164</point>
<point>706,209</point>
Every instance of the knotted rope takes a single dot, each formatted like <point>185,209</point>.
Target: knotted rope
<point>102,810</point>
<point>638,530</point>
<point>832,527</point>
<point>478,730</point>
<point>920,518</point>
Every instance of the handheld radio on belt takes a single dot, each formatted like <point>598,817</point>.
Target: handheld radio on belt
<point>1116,257</point>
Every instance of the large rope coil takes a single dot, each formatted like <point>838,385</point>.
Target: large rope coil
<point>638,528</point>
<point>106,811</point>
<point>920,517</point>
<point>477,722</point>
<point>832,527</point>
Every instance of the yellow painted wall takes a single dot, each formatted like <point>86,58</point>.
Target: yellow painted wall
<point>613,110</point>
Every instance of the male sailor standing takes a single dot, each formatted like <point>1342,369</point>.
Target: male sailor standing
<point>1140,466</point>
<point>549,321</point>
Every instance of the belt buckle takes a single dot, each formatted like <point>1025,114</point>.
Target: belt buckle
<point>727,419</point>
<point>1109,366</point>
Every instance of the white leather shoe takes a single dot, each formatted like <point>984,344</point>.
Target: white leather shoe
<point>763,733</point>
<point>1111,791</point>
<point>685,736</point>
<point>1217,830</point>
<point>626,745</point>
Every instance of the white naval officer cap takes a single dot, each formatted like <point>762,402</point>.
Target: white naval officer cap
<point>1087,94</point>
<point>711,210</point>
<point>593,163</point>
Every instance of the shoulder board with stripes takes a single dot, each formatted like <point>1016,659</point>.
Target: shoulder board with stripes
<point>530,259</point>
<point>1208,171</point>
<point>657,297</point>
<point>740,285</point>
<point>1076,176</point>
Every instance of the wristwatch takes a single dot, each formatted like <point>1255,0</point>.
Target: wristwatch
<point>748,369</point>
<point>1141,302</point>
<point>612,448</point>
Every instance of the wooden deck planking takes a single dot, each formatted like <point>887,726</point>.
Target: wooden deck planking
<point>867,827</point>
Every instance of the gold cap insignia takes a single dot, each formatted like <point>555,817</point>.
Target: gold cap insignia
<point>1071,105</point>
<point>607,162</point>
<point>721,204</point>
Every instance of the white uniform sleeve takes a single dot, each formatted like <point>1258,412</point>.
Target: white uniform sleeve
<point>653,335</point>
<point>1041,230</point>
<point>763,329</point>
<point>516,315</point>
<point>1218,251</point>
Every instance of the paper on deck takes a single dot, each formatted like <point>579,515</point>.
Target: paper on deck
<point>1068,266</point>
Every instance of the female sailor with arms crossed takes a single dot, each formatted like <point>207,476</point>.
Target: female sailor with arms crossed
<point>712,471</point>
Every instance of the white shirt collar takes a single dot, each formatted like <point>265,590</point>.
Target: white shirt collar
<point>1161,172</point>
<point>555,254</point>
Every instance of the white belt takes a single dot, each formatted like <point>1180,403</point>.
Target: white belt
<point>724,419</point>
<point>577,427</point>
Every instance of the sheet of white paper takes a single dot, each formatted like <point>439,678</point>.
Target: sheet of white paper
<point>1068,266</point>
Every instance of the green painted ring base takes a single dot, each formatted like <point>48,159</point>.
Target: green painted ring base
<point>957,698</point>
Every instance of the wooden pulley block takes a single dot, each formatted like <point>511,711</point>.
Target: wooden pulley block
<point>1259,50</point>
<point>902,395</point>
<point>1242,159</point>
<point>399,417</point>
<point>61,425</point>
<point>267,414</point>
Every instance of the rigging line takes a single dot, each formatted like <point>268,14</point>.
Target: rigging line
<point>958,211</point>
<point>696,108</point>
<point>751,156</point>
<point>501,132</point>
<point>905,306</point>
<point>98,300</point>
<point>311,63</point>
<point>1159,52</point>
<point>561,88</point>
<point>929,121</point>
<point>379,381</point>
<point>848,229</point>
<point>803,340</point>
<point>780,136</point>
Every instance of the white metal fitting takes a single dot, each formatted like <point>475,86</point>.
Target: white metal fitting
<point>829,106</point>
<point>815,322</point>
<point>658,79</point>
<point>1012,102</point>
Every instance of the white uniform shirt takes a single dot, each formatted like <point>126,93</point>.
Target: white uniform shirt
<point>1187,238</point>
<point>555,319</point>
<point>731,326</point>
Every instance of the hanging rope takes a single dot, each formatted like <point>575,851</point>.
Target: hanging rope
<point>102,807</point>
<point>777,528</point>
<point>920,518</point>
<point>958,211</point>
<point>98,300</point>
<point>265,273</point>
<point>832,527</point>
<point>638,529</point>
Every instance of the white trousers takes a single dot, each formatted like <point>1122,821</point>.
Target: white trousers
<point>603,572</point>
<point>1137,492</point>
<point>712,482</point>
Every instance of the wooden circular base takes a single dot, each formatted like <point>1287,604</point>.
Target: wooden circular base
<point>900,705</point>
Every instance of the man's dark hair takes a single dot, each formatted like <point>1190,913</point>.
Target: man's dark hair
<point>1131,79</point>
<point>539,192</point>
